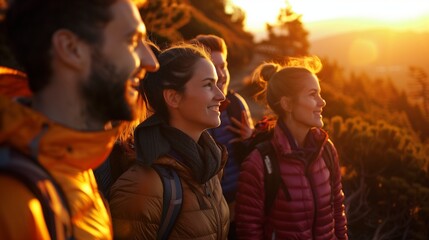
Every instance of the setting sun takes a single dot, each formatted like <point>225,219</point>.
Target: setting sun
<point>380,11</point>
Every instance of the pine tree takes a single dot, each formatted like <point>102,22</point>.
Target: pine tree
<point>164,18</point>
<point>288,35</point>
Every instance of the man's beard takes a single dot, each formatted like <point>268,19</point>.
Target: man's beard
<point>105,91</point>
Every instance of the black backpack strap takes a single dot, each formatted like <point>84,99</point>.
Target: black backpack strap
<point>328,157</point>
<point>172,199</point>
<point>272,179</point>
<point>30,173</point>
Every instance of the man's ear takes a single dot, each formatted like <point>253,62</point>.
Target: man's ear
<point>286,103</point>
<point>68,48</point>
<point>172,98</point>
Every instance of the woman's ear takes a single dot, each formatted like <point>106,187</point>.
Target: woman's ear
<point>69,49</point>
<point>172,98</point>
<point>286,103</point>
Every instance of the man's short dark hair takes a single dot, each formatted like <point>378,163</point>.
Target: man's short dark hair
<point>30,25</point>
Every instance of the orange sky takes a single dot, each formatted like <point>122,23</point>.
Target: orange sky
<point>388,12</point>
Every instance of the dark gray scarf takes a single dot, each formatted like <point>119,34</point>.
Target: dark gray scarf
<point>154,139</point>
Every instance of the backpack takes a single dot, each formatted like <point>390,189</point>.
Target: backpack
<point>30,172</point>
<point>172,199</point>
<point>263,131</point>
<point>107,174</point>
<point>272,178</point>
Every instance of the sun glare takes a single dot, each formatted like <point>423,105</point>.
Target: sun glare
<point>386,11</point>
<point>259,12</point>
<point>362,52</point>
<point>394,10</point>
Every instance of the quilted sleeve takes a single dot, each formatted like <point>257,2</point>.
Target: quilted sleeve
<point>250,198</point>
<point>136,203</point>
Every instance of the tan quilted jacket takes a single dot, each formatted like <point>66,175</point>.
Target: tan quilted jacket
<point>136,205</point>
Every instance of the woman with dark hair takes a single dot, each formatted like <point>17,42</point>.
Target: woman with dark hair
<point>185,101</point>
<point>308,200</point>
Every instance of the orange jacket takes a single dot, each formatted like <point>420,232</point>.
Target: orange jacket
<point>69,157</point>
<point>13,83</point>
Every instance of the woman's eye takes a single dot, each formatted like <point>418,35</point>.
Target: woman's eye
<point>209,85</point>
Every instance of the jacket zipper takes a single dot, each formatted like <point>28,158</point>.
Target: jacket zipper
<point>208,192</point>
<point>273,235</point>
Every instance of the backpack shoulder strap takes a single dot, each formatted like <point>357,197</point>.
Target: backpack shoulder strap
<point>30,173</point>
<point>328,157</point>
<point>272,178</point>
<point>172,199</point>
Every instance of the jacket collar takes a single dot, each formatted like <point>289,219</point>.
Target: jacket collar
<point>35,135</point>
<point>155,139</point>
<point>285,144</point>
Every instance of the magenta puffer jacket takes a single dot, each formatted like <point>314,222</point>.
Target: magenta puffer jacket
<point>308,213</point>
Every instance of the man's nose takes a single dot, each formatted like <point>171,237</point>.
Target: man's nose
<point>148,60</point>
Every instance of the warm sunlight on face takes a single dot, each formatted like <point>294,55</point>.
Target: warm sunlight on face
<point>387,11</point>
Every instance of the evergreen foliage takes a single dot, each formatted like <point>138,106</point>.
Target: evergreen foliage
<point>385,179</point>
<point>170,21</point>
<point>381,138</point>
<point>287,37</point>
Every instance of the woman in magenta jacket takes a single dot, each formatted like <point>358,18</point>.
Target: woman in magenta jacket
<point>309,204</point>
